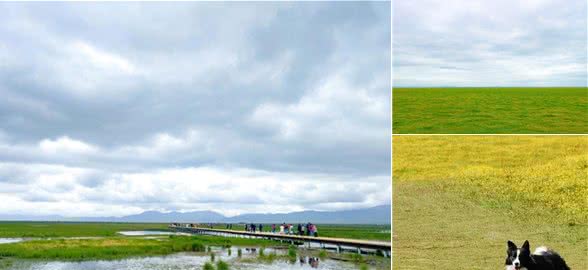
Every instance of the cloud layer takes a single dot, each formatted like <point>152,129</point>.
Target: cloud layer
<point>489,43</point>
<point>117,108</point>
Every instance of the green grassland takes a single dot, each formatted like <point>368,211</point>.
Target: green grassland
<point>71,229</point>
<point>88,229</point>
<point>544,110</point>
<point>364,232</point>
<point>458,199</point>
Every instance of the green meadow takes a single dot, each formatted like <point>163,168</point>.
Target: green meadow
<point>72,229</point>
<point>89,229</point>
<point>458,199</point>
<point>499,110</point>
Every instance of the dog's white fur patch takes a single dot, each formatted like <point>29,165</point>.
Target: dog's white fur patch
<point>517,261</point>
<point>541,250</point>
<point>511,267</point>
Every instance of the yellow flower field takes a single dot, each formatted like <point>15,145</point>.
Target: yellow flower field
<point>458,199</point>
<point>531,174</point>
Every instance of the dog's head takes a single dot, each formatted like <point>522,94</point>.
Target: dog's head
<point>518,258</point>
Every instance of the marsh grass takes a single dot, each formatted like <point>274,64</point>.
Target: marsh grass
<point>503,110</point>
<point>292,252</point>
<point>116,247</point>
<point>272,257</point>
<point>221,265</point>
<point>356,258</point>
<point>266,258</point>
<point>322,254</point>
<point>208,266</point>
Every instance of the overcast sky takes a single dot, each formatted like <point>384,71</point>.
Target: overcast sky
<point>116,108</point>
<point>489,43</point>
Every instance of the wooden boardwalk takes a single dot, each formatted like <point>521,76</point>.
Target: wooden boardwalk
<point>339,244</point>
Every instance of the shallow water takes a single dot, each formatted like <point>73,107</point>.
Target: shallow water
<point>10,240</point>
<point>182,261</point>
<point>280,265</point>
<point>144,233</point>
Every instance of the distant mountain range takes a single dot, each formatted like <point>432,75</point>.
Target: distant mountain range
<point>372,215</point>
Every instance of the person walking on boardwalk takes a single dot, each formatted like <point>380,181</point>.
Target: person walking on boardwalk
<point>299,229</point>
<point>260,227</point>
<point>274,228</point>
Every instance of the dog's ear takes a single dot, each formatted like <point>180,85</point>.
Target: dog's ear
<point>526,245</point>
<point>511,245</point>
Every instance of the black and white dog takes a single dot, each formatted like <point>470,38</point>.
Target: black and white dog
<point>542,259</point>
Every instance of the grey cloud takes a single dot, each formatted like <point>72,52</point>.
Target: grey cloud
<point>490,43</point>
<point>106,93</point>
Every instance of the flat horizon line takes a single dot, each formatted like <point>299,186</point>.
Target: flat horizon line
<point>420,87</point>
<point>488,134</point>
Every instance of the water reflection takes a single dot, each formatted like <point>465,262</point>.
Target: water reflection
<point>311,261</point>
<point>10,240</point>
<point>183,261</point>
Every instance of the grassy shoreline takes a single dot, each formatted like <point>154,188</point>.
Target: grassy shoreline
<point>109,248</point>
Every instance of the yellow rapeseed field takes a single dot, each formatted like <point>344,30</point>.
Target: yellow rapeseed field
<point>533,175</point>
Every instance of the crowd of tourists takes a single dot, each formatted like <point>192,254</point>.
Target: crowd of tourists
<point>307,229</point>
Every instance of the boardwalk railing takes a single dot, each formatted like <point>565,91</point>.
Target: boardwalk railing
<point>339,244</point>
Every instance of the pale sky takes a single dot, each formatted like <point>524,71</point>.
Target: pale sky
<point>489,43</point>
<point>110,109</point>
